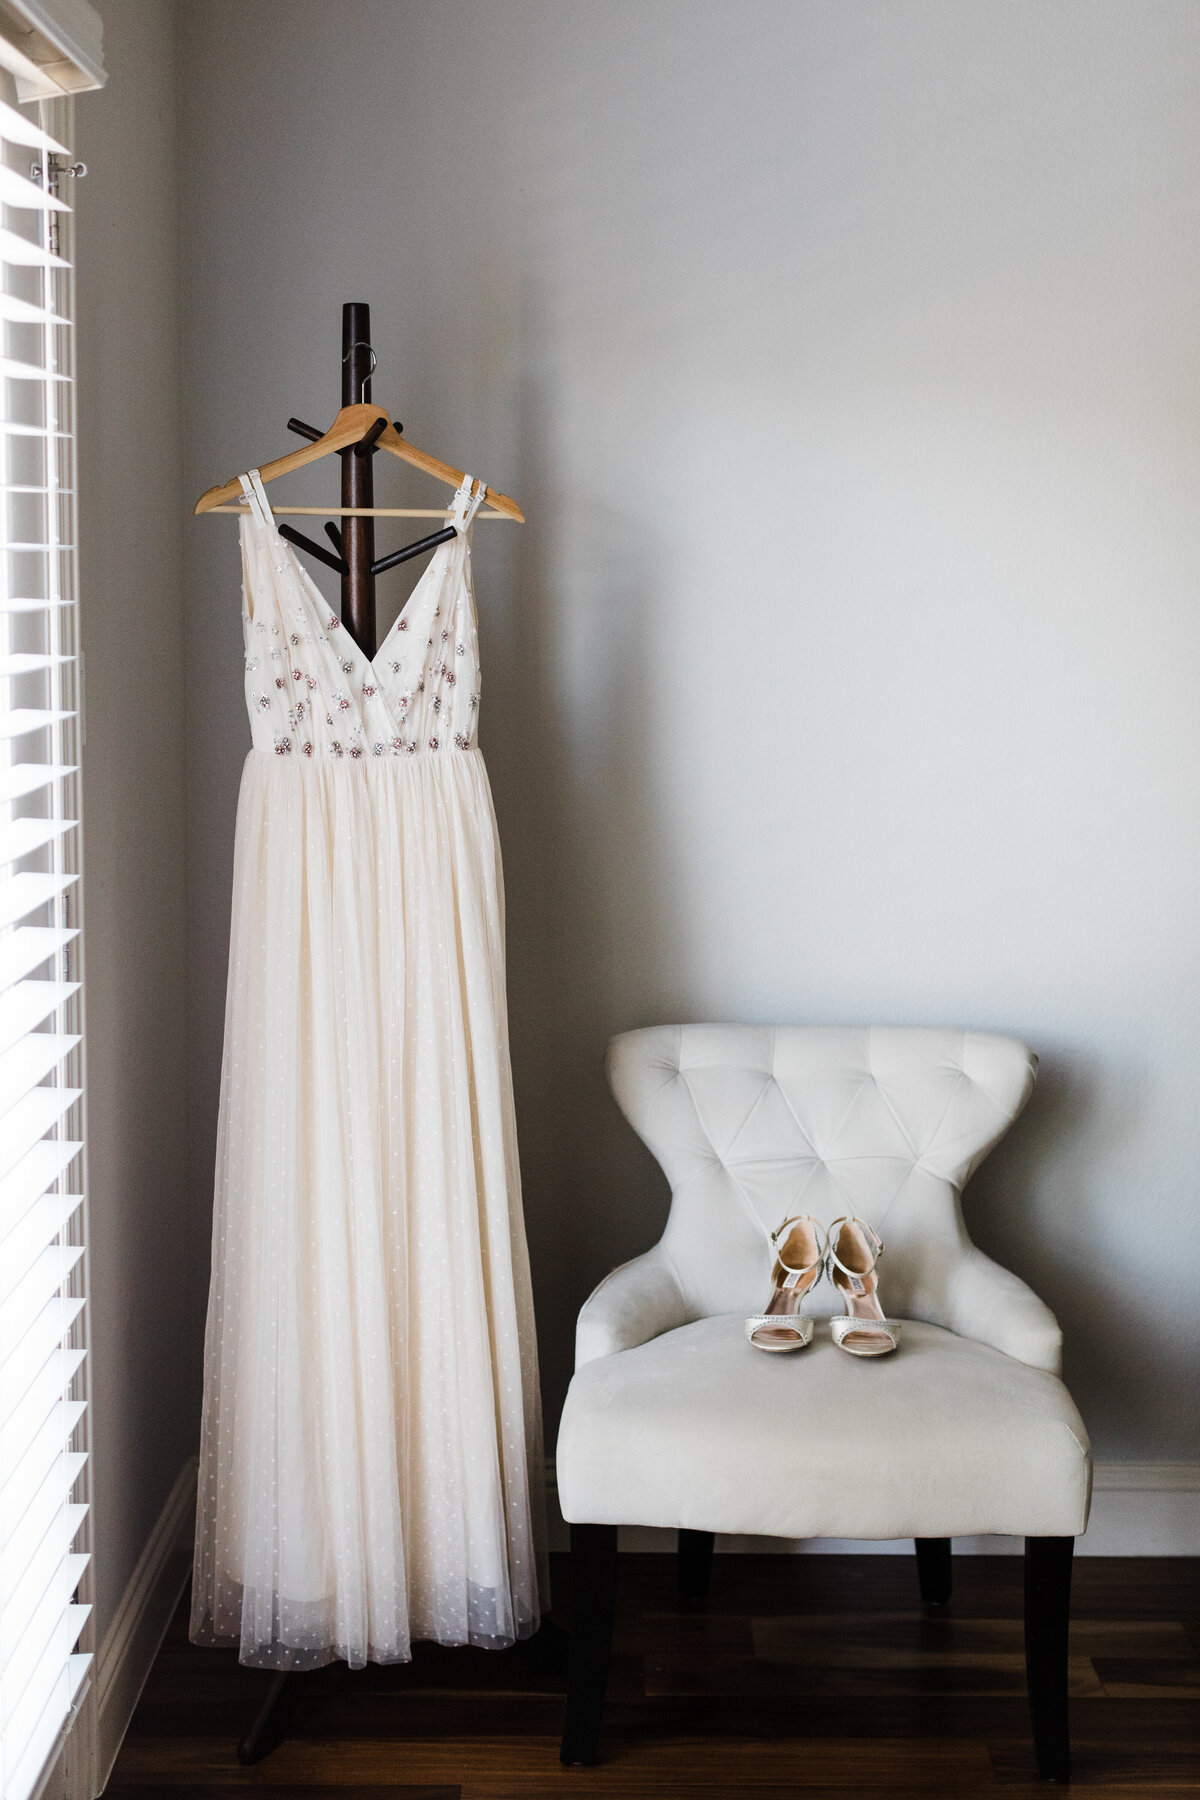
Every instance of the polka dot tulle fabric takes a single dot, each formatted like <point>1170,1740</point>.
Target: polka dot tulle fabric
<point>371,1443</point>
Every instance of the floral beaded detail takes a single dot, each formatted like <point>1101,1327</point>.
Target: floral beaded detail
<point>325,698</point>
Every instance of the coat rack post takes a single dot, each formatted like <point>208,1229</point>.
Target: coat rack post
<point>358,483</point>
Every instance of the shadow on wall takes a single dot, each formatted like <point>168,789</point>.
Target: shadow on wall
<point>589,900</point>
<point>1107,1349</point>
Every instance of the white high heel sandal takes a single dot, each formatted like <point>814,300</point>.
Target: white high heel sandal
<point>854,1250</point>
<point>800,1247</point>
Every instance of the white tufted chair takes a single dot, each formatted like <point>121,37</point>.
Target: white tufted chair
<point>673,1419</point>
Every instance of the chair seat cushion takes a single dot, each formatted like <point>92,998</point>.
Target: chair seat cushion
<point>945,1438</point>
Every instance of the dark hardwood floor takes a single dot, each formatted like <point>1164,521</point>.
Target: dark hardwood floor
<point>819,1676</point>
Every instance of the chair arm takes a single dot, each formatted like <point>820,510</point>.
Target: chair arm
<point>987,1303</point>
<point>637,1302</point>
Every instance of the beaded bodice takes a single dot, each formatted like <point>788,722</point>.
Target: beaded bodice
<point>310,690</point>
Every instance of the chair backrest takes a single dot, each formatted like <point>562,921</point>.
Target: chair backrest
<point>752,1123</point>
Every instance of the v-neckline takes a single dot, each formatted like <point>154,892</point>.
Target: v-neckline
<point>329,618</point>
<point>260,512</point>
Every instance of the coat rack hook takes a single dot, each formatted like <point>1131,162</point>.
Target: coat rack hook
<point>426,543</point>
<point>337,563</point>
<point>367,442</point>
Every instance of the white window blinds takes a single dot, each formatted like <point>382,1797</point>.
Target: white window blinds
<point>41,1202</point>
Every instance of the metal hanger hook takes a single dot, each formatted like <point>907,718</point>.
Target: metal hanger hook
<point>362,344</point>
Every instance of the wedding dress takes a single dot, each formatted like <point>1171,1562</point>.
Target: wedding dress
<point>370,1467</point>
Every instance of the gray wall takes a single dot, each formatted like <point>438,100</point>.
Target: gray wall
<point>142,1270</point>
<point>845,361</point>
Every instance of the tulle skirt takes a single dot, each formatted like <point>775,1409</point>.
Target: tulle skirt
<point>370,1468</point>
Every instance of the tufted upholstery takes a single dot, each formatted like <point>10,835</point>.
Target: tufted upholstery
<point>672,1418</point>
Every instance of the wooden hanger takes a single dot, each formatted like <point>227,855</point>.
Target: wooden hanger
<point>367,426</point>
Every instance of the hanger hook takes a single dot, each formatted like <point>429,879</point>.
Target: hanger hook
<point>362,344</point>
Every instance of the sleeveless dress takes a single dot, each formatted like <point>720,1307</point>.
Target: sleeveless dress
<point>371,1448</point>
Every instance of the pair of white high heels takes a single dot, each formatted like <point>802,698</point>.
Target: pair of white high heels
<point>847,1253</point>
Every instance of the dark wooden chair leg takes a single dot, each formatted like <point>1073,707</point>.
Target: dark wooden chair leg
<point>694,1565</point>
<point>593,1590</point>
<point>1047,1619</point>
<point>935,1570</point>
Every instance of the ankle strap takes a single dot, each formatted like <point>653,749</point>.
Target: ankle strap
<point>869,1232</point>
<point>819,1238</point>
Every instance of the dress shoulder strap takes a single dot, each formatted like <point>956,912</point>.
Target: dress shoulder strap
<point>467,502</point>
<point>256,494</point>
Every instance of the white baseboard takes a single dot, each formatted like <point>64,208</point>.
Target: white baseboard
<point>139,1625</point>
<point>1138,1509</point>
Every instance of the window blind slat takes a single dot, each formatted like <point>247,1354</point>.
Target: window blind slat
<point>34,1176</point>
<point>17,128</point>
<point>45,1472</point>
<point>30,1119</point>
<point>38,1170</point>
<point>29,1358</point>
<point>22,253</point>
<point>16,190</point>
<point>20,837</point>
<point>54,1573</point>
<point>20,779</point>
<point>51,1271</point>
<point>34,1232</point>
<point>25,1691</point>
<point>26,1064</point>
<point>43,1613</point>
<point>13,370</point>
<point>23,1008</point>
<point>47,1518</point>
<point>50,1581</point>
<point>45,1735</point>
<point>48,1385</point>
<point>30,1061</point>
<point>23,893</point>
<point>29,718</point>
<point>26,663</point>
<point>24,312</point>
<point>27,948</point>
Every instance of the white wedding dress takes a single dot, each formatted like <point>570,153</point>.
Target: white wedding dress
<point>370,1466</point>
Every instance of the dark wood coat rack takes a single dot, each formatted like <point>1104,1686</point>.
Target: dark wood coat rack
<point>353,557</point>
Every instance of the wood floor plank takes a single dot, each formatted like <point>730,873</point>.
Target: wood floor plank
<point>1139,1678</point>
<point>222,1791</point>
<point>1108,1768</point>
<point>532,1763</point>
<point>858,1671</point>
<point>807,1638</point>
